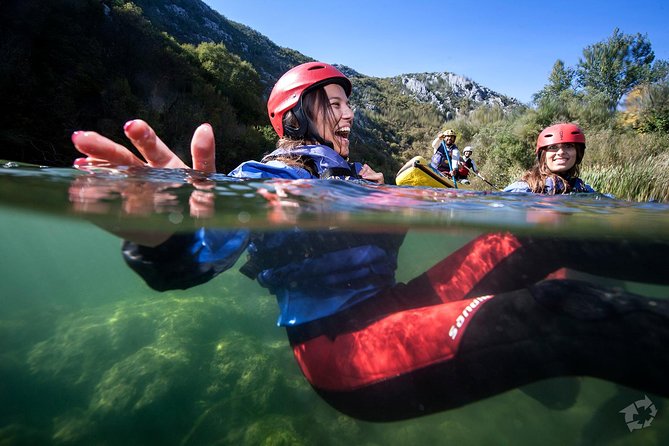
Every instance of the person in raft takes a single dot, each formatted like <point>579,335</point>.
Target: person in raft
<point>466,165</point>
<point>559,152</point>
<point>480,322</point>
<point>445,161</point>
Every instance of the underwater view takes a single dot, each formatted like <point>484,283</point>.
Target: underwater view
<point>478,317</point>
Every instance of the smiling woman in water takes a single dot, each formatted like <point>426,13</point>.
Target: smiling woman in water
<point>559,152</point>
<point>309,109</point>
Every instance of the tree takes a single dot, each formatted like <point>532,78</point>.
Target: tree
<point>559,81</point>
<point>647,108</point>
<point>615,66</point>
<point>233,77</point>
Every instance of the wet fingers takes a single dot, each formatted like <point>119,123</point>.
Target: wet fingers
<point>203,149</point>
<point>152,148</point>
<point>101,149</point>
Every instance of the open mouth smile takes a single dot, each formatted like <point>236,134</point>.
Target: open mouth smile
<point>343,132</point>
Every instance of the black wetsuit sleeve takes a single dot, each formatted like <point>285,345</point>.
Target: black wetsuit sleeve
<point>186,260</point>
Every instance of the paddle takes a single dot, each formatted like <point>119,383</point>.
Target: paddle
<point>480,176</point>
<point>450,166</point>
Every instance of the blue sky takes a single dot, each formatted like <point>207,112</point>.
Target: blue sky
<point>508,46</point>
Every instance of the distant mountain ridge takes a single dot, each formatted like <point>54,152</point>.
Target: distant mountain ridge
<point>452,92</point>
<point>193,21</point>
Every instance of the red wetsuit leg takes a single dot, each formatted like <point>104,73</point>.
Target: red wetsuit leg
<point>423,346</point>
<point>394,345</point>
<point>454,277</point>
<point>407,328</point>
<point>408,364</point>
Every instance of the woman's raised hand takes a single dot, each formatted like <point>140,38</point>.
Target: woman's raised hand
<point>101,150</point>
<point>88,193</point>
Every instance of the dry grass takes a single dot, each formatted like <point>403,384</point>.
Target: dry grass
<point>644,179</point>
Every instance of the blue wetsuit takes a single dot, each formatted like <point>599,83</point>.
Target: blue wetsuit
<point>348,268</point>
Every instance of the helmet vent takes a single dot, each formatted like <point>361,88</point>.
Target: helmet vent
<point>316,67</point>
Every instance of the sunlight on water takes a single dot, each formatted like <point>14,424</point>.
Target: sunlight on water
<point>89,354</point>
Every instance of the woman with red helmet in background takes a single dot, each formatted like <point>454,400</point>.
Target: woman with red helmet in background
<point>559,152</point>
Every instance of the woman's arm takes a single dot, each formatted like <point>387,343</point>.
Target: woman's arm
<point>186,259</point>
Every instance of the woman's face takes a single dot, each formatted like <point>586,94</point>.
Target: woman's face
<point>336,128</point>
<point>560,157</point>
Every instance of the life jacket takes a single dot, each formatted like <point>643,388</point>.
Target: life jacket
<point>576,185</point>
<point>314,274</point>
<point>327,163</point>
<point>465,166</point>
<point>442,159</point>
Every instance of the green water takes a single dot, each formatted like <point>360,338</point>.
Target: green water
<point>89,354</point>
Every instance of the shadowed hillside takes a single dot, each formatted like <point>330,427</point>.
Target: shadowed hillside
<point>90,64</point>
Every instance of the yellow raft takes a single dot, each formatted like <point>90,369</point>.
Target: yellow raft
<point>418,172</point>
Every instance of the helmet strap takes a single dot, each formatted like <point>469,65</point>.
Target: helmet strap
<point>302,128</point>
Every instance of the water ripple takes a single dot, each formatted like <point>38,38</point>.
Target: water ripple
<point>186,198</point>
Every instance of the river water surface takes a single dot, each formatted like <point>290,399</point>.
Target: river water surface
<point>89,354</point>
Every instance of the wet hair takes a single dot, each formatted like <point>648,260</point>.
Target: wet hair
<point>538,174</point>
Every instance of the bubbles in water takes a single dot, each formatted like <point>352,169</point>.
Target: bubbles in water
<point>176,217</point>
<point>244,217</point>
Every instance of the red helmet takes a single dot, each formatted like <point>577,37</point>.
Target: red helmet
<point>291,87</point>
<point>559,133</point>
